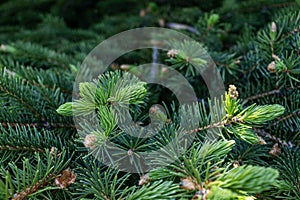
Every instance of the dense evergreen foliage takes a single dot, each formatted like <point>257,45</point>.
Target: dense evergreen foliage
<point>45,155</point>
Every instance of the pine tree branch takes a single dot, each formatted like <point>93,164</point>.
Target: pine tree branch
<point>262,95</point>
<point>26,104</point>
<point>258,96</point>
<point>104,196</point>
<point>214,125</point>
<point>30,190</point>
<point>63,180</point>
<point>34,83</point>
<point>8,124</point>
<point>222,64</point>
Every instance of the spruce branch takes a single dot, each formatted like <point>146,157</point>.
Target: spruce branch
<point>31,179</point>
<point>246,180</point>
<point>41,76</point>
<point>240,121</point>
<point>214,125</point>
<point>289,167</point>
<point>39,60</point>
<point>25,141</point>
<point>98,181</point>
<point>25,51</point>
<point>23,102</point>
<point>32,189</point>
<point>262,95</point>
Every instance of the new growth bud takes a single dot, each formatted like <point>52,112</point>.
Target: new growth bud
<point>89,141</point>
<point>124,67</point>
<point>273,27</point>
<point>232,91</point>
<point>172,53</point>
<point>272,67</point>
<point>144,179</point>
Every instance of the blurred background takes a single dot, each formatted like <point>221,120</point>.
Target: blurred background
<point>105,18</point>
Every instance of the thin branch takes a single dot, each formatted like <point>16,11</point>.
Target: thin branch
<point>285,118</point>
<point>214,125</point>
<point>258,96</point>
<point>276,91</point>
<point>294,32</point>
<point>30,190</point>
<point>45,125</point>
<point>26,104</point>
<point>263,133</point>
<point>21,148</point>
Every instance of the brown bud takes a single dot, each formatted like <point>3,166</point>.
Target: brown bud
<point>161,22</point>
<point>275,151</point>
<point>272,67</point>
<point>3,47</point>
<point>234,119</point>
<point>237,61</point>
<point>124,67</point>
<point>164,70</point>
<point>54,153</point>
<point>172,53</point>
<point>114,66</point>
<point>89,141</point>
<point>202,194</point>
<point>275,57</point>
<point>261,141</point>
<point>189,183</point>
<point>233,92</point>
<point>144,179</point>
<point>143,13</point>
<point>236,164</point>
<point>273,27</point>
<point>66,178</point>
<point>130,152</point>
<point>187,59</point>
<point>154,109</point>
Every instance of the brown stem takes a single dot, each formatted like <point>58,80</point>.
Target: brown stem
<point>285,118</point>
<point>22,148</point>
<point>262,132</point>
<point>222,64</point>
<point>297,30</point>
<point>262,95</point>
<point>214,125</point>
<point>276,91</point>
<point>9,124</point>
<point>26,104</point>
<point>30,190</point>
<point>46,125</point>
